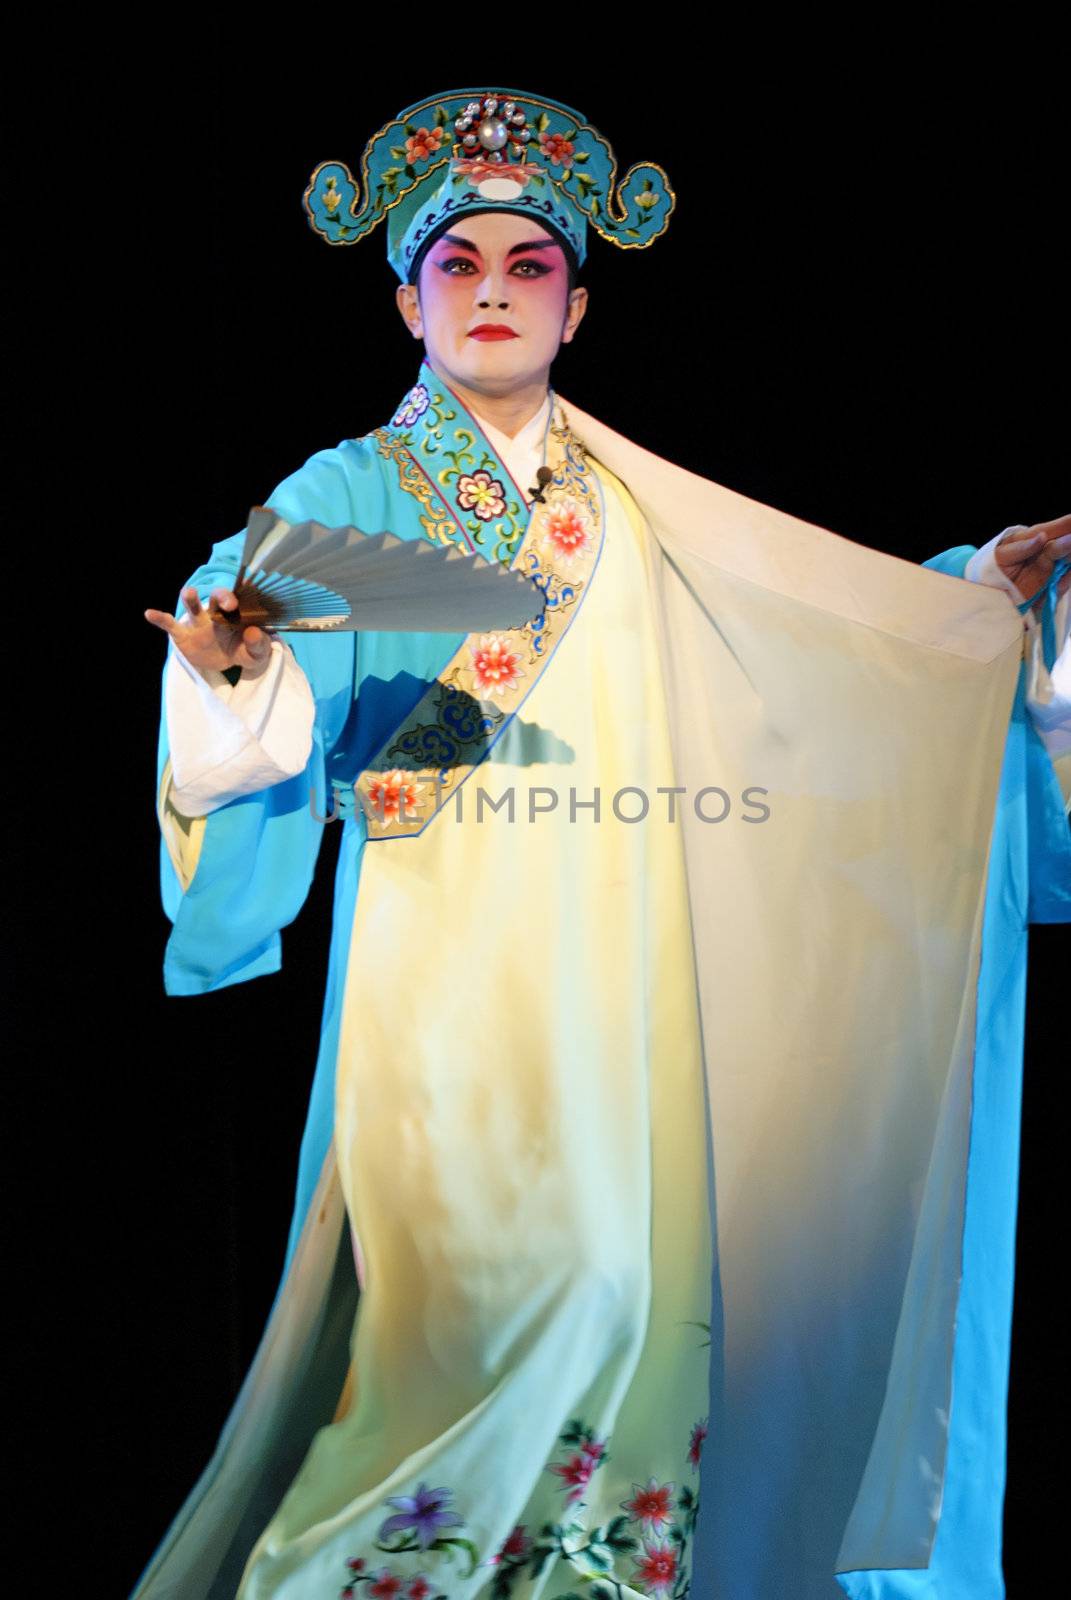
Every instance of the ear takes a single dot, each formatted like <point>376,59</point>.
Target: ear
<point>408,302</point>
<point>578,304</point>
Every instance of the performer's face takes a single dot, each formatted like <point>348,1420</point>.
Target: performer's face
<point>495,268</point>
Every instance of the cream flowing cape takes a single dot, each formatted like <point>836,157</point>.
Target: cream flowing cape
<point>837,947</point>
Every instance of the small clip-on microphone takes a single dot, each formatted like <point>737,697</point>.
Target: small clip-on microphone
<point>544,476</point>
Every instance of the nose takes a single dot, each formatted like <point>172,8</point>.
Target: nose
<point>492,290</point>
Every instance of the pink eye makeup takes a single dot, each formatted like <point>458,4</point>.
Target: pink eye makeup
<point>533,268</point>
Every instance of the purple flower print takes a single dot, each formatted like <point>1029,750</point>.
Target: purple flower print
<point>412,407</point>
<point>422,1511</point>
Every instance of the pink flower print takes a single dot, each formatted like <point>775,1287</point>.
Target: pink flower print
<point>656,1571</point>
<point>481,493</point>
<point>419,1588</point>
<point>557,148</point>
<point>356,1563</point>
<point>594,1451</point>
<point>477,169</point>
<point>388,792</point>
<point>495,666</point>
<point>384,1585</point>
<point>651,1505</point>
<point>422,1511</point>
<point>695,1444</point>
<point>423,144</point>
<point>577,1473</point>
<point>566,531</point>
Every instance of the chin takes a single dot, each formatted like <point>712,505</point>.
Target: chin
<point>500,359</point>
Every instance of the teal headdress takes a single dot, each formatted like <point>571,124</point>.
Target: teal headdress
<point>473,150</point>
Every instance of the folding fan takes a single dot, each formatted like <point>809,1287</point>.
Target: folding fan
<point>305,577</point>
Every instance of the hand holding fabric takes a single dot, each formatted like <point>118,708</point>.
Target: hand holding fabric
<point>1028,555</point>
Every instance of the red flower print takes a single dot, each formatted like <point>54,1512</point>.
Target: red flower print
<point>419,1588</point>
<point>385,1585</point>
<point>577,1473</point>
<point>651,1505</point>
<point>423,144</point>
<point>388,792</point>
<point>481,493</point>
<point>566,531</point>
<point>557,148</point>
<point>657,1571</point>
<point>695,1444</point>
<point>356,1563</point>
<point>495,666</point>
<point>517,1545</point>
<point>593,1450</point>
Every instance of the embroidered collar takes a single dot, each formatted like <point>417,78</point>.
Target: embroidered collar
<point>448,459</point>
<point>432,751</point>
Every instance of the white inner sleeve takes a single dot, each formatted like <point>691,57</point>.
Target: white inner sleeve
<point>229,739</point>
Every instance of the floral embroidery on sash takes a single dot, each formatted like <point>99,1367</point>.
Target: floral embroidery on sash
<point>459,717</point>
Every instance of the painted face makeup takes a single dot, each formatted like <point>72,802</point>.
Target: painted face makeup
<point>494,303</point>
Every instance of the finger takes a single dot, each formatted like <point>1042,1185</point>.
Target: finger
<point>1026,537</point>
<point>255,645</point>
<point>1018,550</point>
<point>161,619</point>
<point>1054,529</point>
<point>192,601</point>
<point>1059,546</point>
<point>225,599</point>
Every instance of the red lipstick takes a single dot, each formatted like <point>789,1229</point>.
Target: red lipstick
<point>492,330</point>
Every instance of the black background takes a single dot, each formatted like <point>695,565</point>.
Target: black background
<point>856,316</point>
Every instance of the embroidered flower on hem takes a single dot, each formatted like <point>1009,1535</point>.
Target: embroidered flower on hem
<point>422,1511</point>
<point>481,493</point>
<point>566,531</point>
<point>515,1547</point>
<point>495,666</point>
<point>651,1505</point>
<point>656,1572</point>
<point>385,1584</point>
<point>412,407</point>
<point>695,1444</point>
<point>576,1473</point>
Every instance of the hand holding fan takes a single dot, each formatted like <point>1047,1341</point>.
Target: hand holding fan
<point>303,577</point>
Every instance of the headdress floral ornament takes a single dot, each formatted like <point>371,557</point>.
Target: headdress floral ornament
<point>473,150</point>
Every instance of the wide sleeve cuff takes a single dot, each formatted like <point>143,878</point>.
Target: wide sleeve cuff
<point>229,739</point>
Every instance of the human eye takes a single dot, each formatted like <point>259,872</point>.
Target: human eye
<point>539,269</point>
<point>455,261</point>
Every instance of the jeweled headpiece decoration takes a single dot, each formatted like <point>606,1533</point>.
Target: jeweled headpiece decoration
<point>475,150</point>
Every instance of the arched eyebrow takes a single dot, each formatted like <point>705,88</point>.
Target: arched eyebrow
<point>466,244</point>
